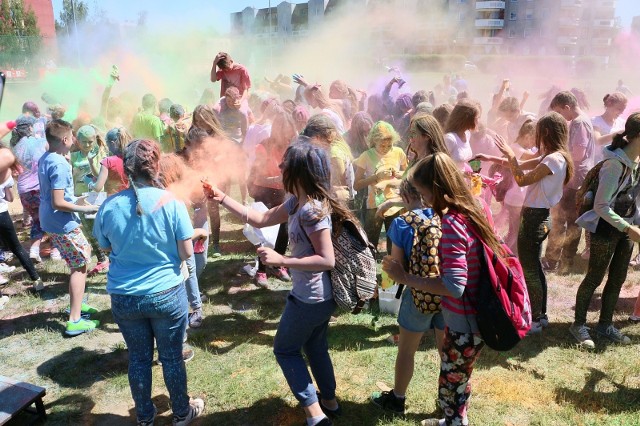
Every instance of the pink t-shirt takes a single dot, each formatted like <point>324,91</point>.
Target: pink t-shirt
<point>238,76</point>
<point>116,179</point>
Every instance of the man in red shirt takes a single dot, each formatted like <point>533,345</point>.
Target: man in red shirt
<point>230,74</point>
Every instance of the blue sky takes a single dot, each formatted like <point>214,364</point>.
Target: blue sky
<point>215,13</point>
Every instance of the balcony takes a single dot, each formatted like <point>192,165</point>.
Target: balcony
<point>604,23</point>
<point>488,41</point>
<point>489,23</point>
<point>490,5</point>
<point>601,41</point>
<point>570,4</point>
<point>567,41</point>
<point>569,22</point>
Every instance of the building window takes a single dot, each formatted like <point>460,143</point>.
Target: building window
<point>529,14</point>
<point>462,16</point>
<point>512,33</point>
<point>513,16</point>
<point>527,33</point>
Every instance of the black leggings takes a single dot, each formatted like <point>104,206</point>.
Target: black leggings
<point>10,239</point>
<point>610,251</point>
<point>272,198</point>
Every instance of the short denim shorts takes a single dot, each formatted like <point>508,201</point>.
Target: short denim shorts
<point>411,319</point>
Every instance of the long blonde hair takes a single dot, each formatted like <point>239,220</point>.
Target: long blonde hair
<point>440,174</point>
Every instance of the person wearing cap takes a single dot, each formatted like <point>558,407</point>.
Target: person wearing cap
<point>85,165</point>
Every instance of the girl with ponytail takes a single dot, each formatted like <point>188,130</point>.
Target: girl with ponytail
<point>613,233</point>
<point>148,234</point>
<point>312,214</point>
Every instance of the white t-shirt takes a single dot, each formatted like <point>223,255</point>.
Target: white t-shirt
<point>516,194</point>
<point>547,192</point>
<point>460,150</point>
<point>4,204</point>
<point>605,129</point>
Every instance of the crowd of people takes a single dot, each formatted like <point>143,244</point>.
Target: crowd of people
<point>429,166</point>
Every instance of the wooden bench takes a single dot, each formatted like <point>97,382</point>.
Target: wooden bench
<point>16,397</point>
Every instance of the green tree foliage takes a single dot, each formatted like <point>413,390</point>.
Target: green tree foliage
<point>74,13</point>
<point>19,33</point>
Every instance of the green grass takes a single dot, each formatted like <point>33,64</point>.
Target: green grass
<point>545,380</point>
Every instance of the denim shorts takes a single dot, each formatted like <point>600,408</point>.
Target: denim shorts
<point>411,319</point>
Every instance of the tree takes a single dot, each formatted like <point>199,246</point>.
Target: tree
<point>19,33</point>
<point>74,13</point>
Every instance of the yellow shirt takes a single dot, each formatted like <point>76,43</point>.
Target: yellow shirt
<point>371,162</point>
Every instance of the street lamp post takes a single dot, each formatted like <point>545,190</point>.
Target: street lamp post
<point>270,41</point>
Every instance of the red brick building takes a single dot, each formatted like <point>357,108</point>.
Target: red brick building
<point>46,21</point>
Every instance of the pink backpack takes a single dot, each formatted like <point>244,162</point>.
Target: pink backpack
<point>503,306</point>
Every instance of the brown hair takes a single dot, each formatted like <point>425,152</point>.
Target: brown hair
<point>141,161</point>
<point>56,130</point>
<point>207,121</point>
<point>509,104</point>
<point>463,117</point>
<point>323,101</point>
<point>441,175</point>
<point>442,113</point>
<point>563,98</point>
<point>552,135</point>
<point>614,98</point>
<point>171,169</point>
<point>428,126</point>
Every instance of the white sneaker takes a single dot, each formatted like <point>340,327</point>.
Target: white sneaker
<point>3,280</point>
<point>38,285</point>
<point>581,334</point>
<point>196,407</point>
<point>55,254</point>
<point>35,256</point>
<point>5,269</point>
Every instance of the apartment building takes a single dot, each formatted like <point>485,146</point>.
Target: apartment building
<point>525,27</point>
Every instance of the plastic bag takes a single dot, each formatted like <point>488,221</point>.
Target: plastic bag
<point>265,237</point>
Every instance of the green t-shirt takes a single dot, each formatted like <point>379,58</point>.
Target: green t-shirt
<point>81,168</point>
<point>147,126</point>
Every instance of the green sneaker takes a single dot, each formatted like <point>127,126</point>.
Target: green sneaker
<point>85,309</point>
<point>81,326</point>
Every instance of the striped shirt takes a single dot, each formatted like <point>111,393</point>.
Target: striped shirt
<point>460,254</point>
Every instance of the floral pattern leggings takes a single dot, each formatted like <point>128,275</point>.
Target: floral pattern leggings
<point>460,352</point>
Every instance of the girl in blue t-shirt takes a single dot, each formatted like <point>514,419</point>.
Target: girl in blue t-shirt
<point>412,321</point>
<point>310,213</point>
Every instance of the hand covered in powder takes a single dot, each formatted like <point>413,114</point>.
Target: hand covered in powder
<point>394,269</point>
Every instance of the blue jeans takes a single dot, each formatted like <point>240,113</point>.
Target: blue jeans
<point>304,326</point>
<point>161,316</point>
<point>197,262</point>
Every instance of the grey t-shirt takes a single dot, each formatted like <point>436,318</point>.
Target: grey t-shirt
<point>308,286</point>
<point>581,136</point>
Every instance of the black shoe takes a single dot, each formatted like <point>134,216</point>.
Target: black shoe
<point>329,412</point>
<point>324,422</point>
<point>388,401</point>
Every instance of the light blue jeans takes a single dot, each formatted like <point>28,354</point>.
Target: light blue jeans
<point>304,326</point>
<point>197,262</point>
<point>161,316</point>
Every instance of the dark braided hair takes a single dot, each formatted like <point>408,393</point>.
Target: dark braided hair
<point>141,163</point>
